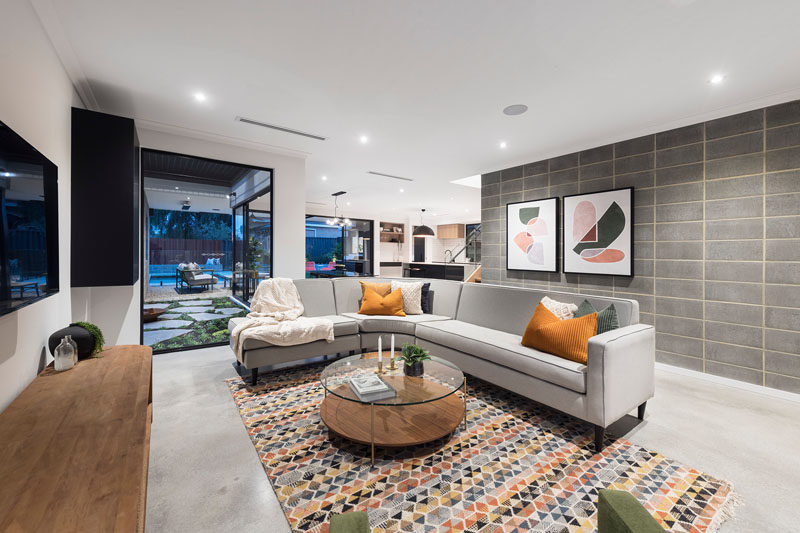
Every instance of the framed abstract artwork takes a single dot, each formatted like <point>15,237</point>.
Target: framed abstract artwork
<point>598,233</point>
<point>532,235</point>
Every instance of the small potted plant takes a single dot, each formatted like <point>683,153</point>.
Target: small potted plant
<point>413,356</point>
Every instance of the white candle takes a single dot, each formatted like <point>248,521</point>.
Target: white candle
<point>392,354</point>
<point>380,354</point>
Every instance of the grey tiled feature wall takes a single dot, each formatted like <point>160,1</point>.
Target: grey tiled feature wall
<point>716,231</point>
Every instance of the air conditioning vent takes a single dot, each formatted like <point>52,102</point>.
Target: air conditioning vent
<point>284,129</point>
<point>381,174</point>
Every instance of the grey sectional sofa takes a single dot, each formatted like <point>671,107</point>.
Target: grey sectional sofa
<point>479,328</point>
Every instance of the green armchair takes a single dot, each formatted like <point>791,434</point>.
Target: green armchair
<point>619,512</point>
<point>352,522</point>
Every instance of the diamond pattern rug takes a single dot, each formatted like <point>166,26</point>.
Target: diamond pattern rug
<point>519,466</point>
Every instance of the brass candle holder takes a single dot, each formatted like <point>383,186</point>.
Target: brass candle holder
<point>380,368</point>
<point>392,366</point>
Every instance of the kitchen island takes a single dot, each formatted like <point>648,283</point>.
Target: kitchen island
<point>439,270</point>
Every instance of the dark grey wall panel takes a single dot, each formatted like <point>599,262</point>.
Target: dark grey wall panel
<point>105,200</point>
<point>716,232</point>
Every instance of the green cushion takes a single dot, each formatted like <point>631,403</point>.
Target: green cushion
<point>352,522</point>
<point>619,512</point>
<point>607,319</point>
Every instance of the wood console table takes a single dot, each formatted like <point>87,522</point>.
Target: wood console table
<point>75,446</point>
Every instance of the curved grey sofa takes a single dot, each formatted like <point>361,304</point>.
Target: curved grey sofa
<point>479,328</point>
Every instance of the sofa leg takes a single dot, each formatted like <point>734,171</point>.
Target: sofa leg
<point>238,364</point>
<point>352,352</point>
<point>640,411</point>
<point>254,375</point>
<point>599,435</point>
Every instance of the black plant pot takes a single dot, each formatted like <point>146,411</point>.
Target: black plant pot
<point>81,336</point>
<point>416,369</point>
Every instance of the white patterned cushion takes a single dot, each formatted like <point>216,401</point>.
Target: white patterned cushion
<point>412,295</point>
<point>562,310</point>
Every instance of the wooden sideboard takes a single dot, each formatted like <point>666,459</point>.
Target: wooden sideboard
<point>75,446</point>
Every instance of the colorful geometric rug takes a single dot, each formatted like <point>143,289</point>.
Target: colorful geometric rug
<point>518,467</point>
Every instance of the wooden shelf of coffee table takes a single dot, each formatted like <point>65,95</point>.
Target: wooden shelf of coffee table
<point>395,425</point>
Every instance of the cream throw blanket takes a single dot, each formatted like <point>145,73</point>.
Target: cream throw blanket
<point>276,317</point>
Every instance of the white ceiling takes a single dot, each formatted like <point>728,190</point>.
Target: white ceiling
<point>426,81</point>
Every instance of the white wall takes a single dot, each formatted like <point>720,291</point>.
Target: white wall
<point>289,187</point>
<point>35,100</point>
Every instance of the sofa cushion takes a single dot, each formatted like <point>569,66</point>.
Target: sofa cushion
<point>607,319</point>
<point>565,338</point>
<point>375,304</point>
<point>509,308</point>
<point>392,324</point>
<point>505,349</point>
<point>412,295</point>
<point>342,326</point>
<point>381,288</point>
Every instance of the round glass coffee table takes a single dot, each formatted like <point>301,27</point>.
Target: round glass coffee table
<point>424,409</point>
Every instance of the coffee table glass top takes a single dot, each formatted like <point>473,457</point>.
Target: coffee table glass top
<point>441,379</point>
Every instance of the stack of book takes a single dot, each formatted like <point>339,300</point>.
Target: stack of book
<point>371,388</point>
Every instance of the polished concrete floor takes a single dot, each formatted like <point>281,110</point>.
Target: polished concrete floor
<point>205,475</point>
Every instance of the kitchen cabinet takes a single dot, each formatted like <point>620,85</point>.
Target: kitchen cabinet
<point>450,231</point>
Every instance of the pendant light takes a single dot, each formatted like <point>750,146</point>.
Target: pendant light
<point>422,230</point>
<point>337,220</point>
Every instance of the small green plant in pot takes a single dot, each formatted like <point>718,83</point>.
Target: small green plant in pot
<point>413,356</point>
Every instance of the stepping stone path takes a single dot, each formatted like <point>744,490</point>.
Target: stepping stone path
<point>153,337</point>
<point>156,306</point>
<point>192,309</point>
<point>166,324</point>
<point>170,325</point>
<point>206,316</point>
<point>229,310</point>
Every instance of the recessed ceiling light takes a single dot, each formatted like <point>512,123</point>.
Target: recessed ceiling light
<point>176,188</point>
<point>452,197</point>
<point>227,196</point>
<point>503,144</point>
<point>200,97</point>
<point>402,190</point>
<point>363,139</point>
<point>435,214</point>
<point>324,178</point>
<point>716,79</point>
<point>348,203</point>
<point>515,109</point>
<point>7,174</point>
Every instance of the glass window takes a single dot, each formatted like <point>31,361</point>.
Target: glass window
<point>338,251</point>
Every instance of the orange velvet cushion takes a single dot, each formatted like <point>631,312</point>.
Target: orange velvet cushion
<point>375,304</point>
<point>381,288</point>
<point>564,338</point>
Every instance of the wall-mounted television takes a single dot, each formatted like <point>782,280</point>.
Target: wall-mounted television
<point>28,223</point>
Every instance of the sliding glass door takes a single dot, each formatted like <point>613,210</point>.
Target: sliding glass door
<point>252,250</point>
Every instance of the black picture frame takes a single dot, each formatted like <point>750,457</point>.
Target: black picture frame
<point>556,230</point>
<point>629,273</point>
